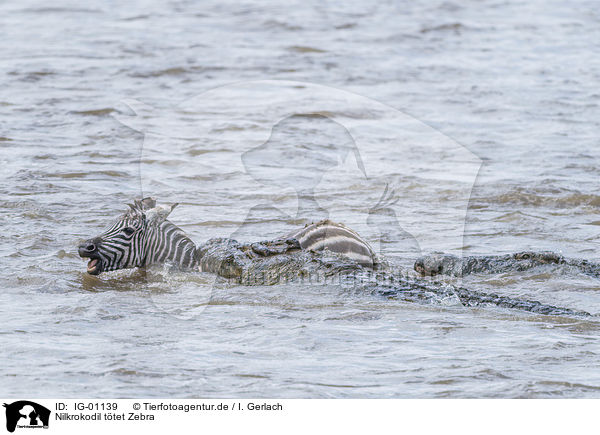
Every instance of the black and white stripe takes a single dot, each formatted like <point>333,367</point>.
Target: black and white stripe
<point>335,238</point>
<point>168,243</point>
<point>119,247</point>
<point>142,237</point>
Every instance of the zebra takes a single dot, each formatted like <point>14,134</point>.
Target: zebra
<point>143,236</point>
<point>335,237</point>
<point>140,237</point>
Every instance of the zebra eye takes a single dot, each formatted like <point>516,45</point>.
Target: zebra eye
<point>128,231</point>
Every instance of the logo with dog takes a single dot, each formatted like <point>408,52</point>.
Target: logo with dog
<point>25,414</point>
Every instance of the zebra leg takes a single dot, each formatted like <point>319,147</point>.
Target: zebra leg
<point>274,247</point>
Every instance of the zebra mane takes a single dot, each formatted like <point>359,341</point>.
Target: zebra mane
<point>146,209</point>
<point>138,208</point>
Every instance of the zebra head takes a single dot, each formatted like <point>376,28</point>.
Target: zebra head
<point>125,243</point>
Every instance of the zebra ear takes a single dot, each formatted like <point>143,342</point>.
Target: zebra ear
<point>139,206</point>
<point>147,203</point>
<point>159,214</point>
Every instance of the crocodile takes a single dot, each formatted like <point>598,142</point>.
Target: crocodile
<point>143,236</point>
<point>453,265</point>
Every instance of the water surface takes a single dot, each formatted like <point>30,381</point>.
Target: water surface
<point>513,84</point>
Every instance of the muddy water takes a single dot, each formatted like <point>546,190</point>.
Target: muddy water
<point>482,120</point>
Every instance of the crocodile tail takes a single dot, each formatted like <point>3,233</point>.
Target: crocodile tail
<point>471,298</point>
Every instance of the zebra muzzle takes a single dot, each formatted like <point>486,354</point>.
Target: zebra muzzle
<point>92,267</point>
<point>89,251</point>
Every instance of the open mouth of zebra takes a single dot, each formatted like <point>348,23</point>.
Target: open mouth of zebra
<point>94,266</point>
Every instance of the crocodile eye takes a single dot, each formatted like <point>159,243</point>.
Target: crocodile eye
<point>128,231</point>
<point>525,256</point>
